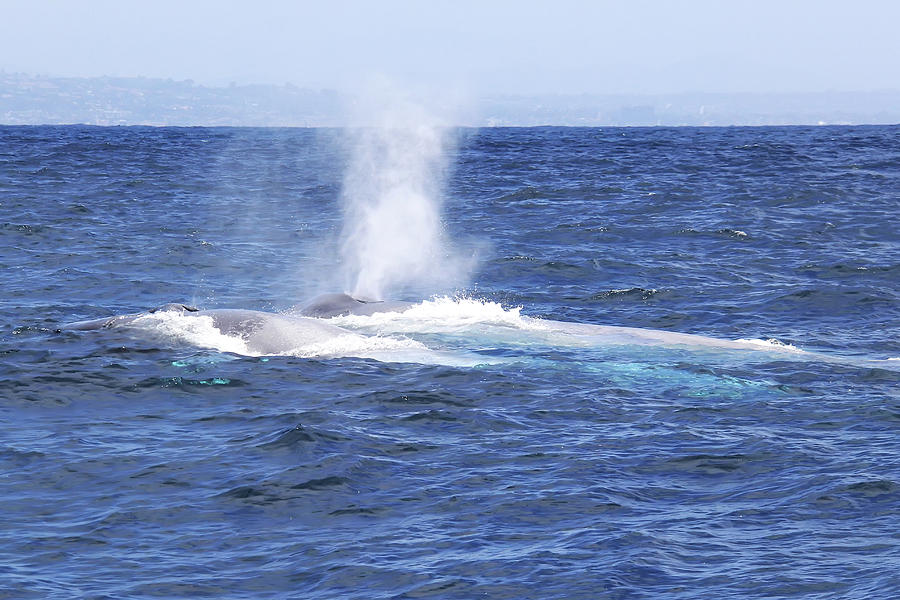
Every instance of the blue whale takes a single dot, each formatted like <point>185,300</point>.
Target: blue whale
<point>263,332</point>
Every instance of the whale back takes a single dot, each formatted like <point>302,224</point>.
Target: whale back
<point>117,320</point>
<point>338,305</point>
<point>270,333</point>
<point>262,332</point>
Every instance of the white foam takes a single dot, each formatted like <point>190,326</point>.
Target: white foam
<point>444,315</point>
<point>388,349</point>
<point>195,330</point>
<point>352,344</point>
<point>770,344</point>
<point>201,331</point>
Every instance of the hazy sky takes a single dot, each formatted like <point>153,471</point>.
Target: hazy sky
<point>554,46</point>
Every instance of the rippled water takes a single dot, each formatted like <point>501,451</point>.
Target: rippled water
<point>559,462</point>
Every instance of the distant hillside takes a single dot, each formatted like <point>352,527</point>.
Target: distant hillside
<point>141,101</point>
<point>832,108</point>
<point>30,100</point>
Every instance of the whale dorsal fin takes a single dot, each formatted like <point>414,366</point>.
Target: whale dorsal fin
<point>174,306</point>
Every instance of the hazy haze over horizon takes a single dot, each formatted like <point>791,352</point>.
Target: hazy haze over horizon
<point>500,47</point>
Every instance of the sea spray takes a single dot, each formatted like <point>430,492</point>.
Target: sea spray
<point>393,239</point>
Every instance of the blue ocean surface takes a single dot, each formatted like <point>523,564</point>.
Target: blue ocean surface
<point>501,439</point>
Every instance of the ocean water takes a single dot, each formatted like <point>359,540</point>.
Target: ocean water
<point>501,439</point>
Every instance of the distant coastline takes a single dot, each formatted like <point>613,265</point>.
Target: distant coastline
<point>39,100</point>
